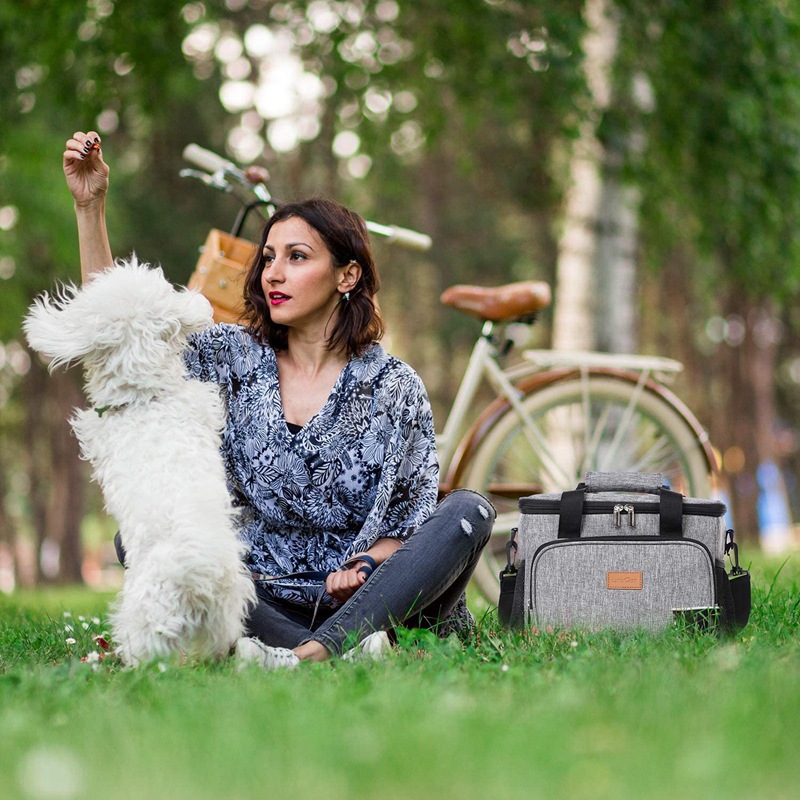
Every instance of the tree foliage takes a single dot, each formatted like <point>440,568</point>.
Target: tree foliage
<point>721,163</point>
<point>460,118</point>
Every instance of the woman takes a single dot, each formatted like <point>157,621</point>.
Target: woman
<point>329,443</point>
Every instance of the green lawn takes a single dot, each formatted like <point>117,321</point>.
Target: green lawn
<point>552,716</point>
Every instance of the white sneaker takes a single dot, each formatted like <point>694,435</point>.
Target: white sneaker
<point>374,648</point>
<point>252,651</point>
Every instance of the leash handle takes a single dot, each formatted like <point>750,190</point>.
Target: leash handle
<point>370,563</point>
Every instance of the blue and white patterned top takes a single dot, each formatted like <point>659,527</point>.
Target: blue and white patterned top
<point>361,469</point>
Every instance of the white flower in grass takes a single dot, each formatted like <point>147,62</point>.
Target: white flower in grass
<point>67,614</point>
<point>85,626</point>
<point>68,629</point>
<point>162,667</point>
<point>573,643</point>
<point>81,618</point>
<point>504,668</point>
<point>95,620</point>
<point>70,640</point>
<point>92,657</point>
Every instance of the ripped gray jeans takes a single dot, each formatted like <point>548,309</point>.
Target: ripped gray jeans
<point>419,586</point>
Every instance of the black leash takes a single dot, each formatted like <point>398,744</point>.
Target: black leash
<point>317,576</point>
<point>309,575</point>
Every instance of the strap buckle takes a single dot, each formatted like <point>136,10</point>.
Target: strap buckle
<point>512,548</point>
<point>732,551</point>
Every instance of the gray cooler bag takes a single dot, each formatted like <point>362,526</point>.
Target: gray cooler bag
<point>622,551</point>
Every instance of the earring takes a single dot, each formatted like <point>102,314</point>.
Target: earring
<point>346,297</point>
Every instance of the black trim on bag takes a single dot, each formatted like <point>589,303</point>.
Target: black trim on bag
<point>570,511</point>
<point>636,539</point>
<point>508,581</point>
<point>670,515</point>
<point>531,506</point>
<point>570,518</point>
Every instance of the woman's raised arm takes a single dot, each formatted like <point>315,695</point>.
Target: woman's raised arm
<point>87,179</point>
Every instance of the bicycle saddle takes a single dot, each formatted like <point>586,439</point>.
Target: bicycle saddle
<point>499,303</point>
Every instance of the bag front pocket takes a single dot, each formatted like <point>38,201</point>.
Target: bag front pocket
<point>619,581</point>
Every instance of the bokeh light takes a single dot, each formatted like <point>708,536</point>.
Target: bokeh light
<point>280,97</point>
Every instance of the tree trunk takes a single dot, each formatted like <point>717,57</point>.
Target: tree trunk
<point>739,446</point>
<point>55,473</point>
<point>8,534</point>
<point>747,439</point>
<point>421,334</point>
<point>67,500</point>
<point>669,330</point>
<point>615,262</point>
<point>573,321</point>
<point>773,507</point>
<point>34,393</point>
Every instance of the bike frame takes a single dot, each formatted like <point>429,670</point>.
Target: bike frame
<point>484,365</point>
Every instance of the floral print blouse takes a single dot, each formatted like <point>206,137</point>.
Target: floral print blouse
<point>361,469</point>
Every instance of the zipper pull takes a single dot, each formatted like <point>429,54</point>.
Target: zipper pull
<point>619,510</point>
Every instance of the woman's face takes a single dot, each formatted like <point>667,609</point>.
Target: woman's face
<point>298,279</point>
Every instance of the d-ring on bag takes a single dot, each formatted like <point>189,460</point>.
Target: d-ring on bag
<point>622,550</point>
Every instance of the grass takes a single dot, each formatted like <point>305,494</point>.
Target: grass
<point>557,715</point>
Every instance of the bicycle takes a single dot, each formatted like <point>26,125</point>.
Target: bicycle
<point>555,414</point>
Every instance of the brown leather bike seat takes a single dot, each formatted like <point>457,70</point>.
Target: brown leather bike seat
<point>499,303</point>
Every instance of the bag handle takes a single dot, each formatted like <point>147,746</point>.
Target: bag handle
<point>635,482</point>
<point>670,513</point>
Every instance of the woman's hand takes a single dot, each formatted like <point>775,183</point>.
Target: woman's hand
<point>87,179</point>
<point>84,169</point>
<point>342,585</point>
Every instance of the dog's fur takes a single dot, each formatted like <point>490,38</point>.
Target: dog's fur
<point>155,454</point>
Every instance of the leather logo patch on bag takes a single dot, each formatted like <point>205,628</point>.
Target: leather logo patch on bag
<point>624,580</point>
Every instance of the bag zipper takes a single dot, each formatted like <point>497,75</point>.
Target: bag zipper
<point>532,506</point>
<point>638,539</point>
<point>624,508</point>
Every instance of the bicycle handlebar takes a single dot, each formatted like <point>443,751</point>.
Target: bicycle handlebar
<point>211,162</point>
<point>414,240</point>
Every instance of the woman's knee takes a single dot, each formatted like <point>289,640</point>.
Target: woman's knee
<point>474,514</point>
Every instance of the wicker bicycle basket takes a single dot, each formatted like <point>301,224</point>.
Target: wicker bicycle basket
<point>220,273</point>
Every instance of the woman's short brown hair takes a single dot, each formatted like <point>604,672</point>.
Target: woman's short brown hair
<point>344,233</point>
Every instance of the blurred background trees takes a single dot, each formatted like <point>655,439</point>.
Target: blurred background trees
<point>656,139</point>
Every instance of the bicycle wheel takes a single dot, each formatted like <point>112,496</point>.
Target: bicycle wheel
<point>595,422</point>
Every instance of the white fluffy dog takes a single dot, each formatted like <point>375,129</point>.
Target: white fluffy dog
<point>153,438</point>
